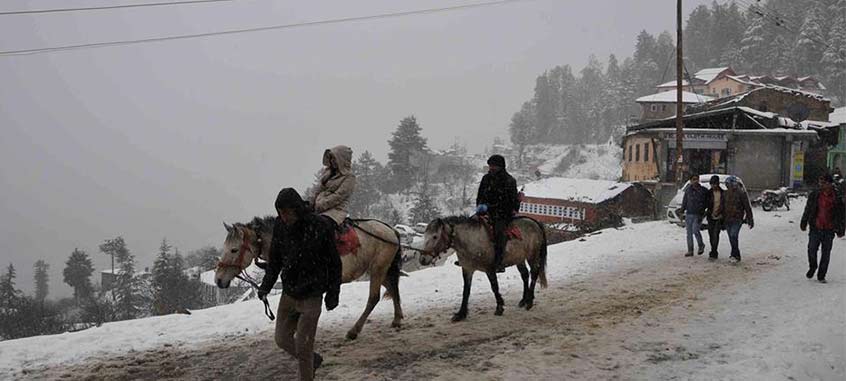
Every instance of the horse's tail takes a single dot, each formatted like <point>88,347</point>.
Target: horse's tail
<point>395,272</point>
<point>543,255</point>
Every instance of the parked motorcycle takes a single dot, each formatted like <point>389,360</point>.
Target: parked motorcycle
<point>773,199</point>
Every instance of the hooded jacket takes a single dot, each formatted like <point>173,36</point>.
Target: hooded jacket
<point>331,194</point>
<point>499,192</point>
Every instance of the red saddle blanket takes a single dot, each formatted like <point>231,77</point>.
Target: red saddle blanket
<point>346,241</point>
<point>513,232</point>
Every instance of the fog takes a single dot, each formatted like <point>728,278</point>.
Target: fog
<point>169,139</point>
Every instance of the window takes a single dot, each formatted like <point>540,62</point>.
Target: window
<point>630,152</point>
<point>653,108</point>
<point>726,92</point>
<point>646,152</point>
<point>637,152</point>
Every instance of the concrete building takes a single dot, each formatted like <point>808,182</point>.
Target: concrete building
<point>836,157</point>
<point>763,148</point>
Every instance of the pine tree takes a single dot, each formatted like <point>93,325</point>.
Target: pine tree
<point>521,128</point>
<point>564,83</point>
<point>41,279</point>
<point>367,173</point>
<point>697,38</point>
<point>405,142</point>
<point>424,209</point>
<point>11,303</point>
<point>834,57</point>
<point>545,105</point>
<point>754,45</point>
<point>116,248</point>
<point>126,290</point>
<point>807,52</point>
<point>77,274</point>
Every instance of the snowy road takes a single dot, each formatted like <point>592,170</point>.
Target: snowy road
<point>624,304</point>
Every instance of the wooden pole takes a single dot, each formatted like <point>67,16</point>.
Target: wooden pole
<point>679,165</point>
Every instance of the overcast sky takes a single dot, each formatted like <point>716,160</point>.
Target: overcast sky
<point>170,139</point>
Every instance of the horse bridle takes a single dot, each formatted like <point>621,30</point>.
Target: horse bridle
<point>449,236</point>
<point>245,247</point>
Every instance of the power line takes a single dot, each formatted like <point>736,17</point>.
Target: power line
<point>258,29</point>
<point>781,21</point>
<point>160,4</point>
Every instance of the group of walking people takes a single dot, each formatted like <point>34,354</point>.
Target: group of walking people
<point>723,209</point>
<point>728,209</point>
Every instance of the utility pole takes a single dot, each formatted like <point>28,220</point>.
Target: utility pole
<point>679,99</point>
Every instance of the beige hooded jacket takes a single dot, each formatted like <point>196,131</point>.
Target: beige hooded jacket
<point>331,194</point>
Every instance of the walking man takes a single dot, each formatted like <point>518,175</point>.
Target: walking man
<point>824,214</point>
<point>737,212</point>
<point>693,207</point>
<point>303,253</point>
<point>714,211</point>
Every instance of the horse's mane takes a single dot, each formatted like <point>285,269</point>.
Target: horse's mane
<point>462,220</point>
<point>262,224</point>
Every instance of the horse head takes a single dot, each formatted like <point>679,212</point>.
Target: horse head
<point>437,240</point>
<point>239,249</point>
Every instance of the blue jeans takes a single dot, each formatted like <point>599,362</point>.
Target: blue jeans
<point>733,230</point>
<point>693,226</point>
<point>817,238</point>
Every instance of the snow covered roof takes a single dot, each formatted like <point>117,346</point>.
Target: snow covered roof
<point>710,74</point>
<point>838,116</point>
<point>582,190</point>
<point>670,97</point>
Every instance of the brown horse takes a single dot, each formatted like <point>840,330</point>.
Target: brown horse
<point>472,242</point>
<point>379,256</point>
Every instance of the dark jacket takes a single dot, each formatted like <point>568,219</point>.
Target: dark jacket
<point>737,207</point>
<point>695,200</point>
<point>809,217</point>
<point>305,257</point>
<point>499,192</point>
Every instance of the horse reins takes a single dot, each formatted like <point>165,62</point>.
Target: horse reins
<point>245,247</point>
<point>398,243</point>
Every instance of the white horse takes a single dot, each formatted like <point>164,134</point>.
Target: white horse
<point>379,256</point>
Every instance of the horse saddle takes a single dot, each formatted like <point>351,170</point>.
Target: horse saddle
<point>512,232</point>
<point>346,239</point>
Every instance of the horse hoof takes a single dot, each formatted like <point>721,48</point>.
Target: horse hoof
<point>458,317</point>
<point>499,311</point>
<point>529,305</point>
<point>352,335</point>
<point>521,304</point>
<point>396,324</point>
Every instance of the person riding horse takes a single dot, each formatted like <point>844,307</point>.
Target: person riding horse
<point>498,198</point>
<point>330,195</point>
<point>303,254</point>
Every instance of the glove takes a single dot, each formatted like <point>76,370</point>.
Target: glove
<point>331,301</point>
<point>261,294</point>
<point>481,209</point>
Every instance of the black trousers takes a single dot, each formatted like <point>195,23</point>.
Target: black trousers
<point>500,225</point>
<point>714,228</point>
<point>817,238</point>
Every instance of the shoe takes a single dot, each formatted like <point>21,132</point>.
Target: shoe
<point>822,280</point>
<point>810,273</point>
<point>500,269</point>
<point>457,264</point>
<point>712,258</point>
<point>701,251</point>
<point>318,361</point>
<point>689,254</point>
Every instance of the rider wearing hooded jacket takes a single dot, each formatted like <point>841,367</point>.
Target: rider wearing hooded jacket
<point>330,195</point>
<point>303,253</point>
<point>498,197</point>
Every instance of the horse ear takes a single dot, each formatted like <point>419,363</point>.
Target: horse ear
<point>228,227</point>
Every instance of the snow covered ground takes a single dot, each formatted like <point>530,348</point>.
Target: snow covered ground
<point>621,304</point>
<point>582,161</point>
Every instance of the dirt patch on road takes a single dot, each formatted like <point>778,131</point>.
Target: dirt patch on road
<point>569,319</point>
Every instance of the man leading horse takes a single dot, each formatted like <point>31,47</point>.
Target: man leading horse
<point>498,199</point>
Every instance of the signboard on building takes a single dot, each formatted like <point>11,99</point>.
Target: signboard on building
<point>700,140</point>
<point>797,164</point>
